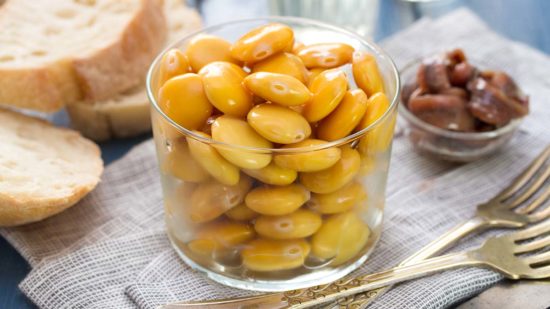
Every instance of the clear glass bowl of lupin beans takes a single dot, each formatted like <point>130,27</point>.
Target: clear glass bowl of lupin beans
<point>273,138</point>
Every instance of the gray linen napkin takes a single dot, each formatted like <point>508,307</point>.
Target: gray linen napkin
<point>110,251</point>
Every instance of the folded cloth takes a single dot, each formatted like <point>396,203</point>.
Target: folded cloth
<point>110,251</point>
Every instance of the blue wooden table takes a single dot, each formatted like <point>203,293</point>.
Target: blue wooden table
<point>521,20</point>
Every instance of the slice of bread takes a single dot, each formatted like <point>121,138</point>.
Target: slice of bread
<point>125,115</point>
<point>56,52</point>
<point>43,169</point>
<point>128,114</point>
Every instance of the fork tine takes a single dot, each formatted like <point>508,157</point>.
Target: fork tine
<point>537,202</point>
<point>537,258</point>
<point>540,273</point>
<point>534,245</point>
<point>539,216</point>
<point>537,183</point>
<point>523,178</point>
<point>532,232</point>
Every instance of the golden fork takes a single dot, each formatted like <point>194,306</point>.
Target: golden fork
<point>507,209</point>
<point>520,255</point>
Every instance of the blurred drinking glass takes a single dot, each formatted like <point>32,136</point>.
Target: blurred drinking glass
<point>356,15</point>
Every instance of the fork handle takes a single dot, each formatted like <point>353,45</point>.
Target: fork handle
<point>305,298</point>
<point>341,289</point>
<point>446,240</point>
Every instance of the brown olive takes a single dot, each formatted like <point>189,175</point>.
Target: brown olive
<point>491,105</point>
<point>455,57</point>
<point>452,94</point>
<point>461,74</point>
<point>456,91</point>
<point>444,111</point>
<point>432,76</point>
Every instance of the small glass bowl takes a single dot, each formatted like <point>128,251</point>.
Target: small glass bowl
<point>451,145</point>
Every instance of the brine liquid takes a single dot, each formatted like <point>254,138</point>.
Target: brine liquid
<point>228,262</point>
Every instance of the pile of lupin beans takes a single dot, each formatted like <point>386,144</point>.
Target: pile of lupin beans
<point>265,206</point>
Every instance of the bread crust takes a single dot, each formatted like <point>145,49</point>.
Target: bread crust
<point>122,65</point>
<point>128,114</point>
<point>44,89</point>
<point>35,203</point>
<point>116,67</point>
<point>15,211</point>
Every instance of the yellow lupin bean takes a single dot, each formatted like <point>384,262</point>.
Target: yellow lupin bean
<point>377,105</point>
<point>296,47</point>
<point>298,108</point>
<point>262,42</point>
<point>163,129</point>
<point>207,126</point>
<point>289,47</point>
<point>314,73</point>
<point>341,237</point>
<point>205,48</point>
<point>220,235</point>
<point>235,131</point>
<point>336,176</point>
<point>211,199</point>
<point>278,123</point>
<point>366,73</point>
<point>308,161</point>
<point>223,87</point>
<point>283,63</point>
<point>328,89</point>
<point>379,138</point>
<point>182,98</point>
<point>277,201</point>
<point>212,161</point>
<point>173,63</point>
<point>180,163</point>
<point>345,117</point>
<point>241,213</point>
<point>273,174</point>
<point>326,55</point>
<point>368,163</point>
<point>273,255</point>
<point>338,201</point>
<point>258,100</point>
<point>278,88</point>
<point>299,224</point>
<point>175,206</point>
<point>242,73</point>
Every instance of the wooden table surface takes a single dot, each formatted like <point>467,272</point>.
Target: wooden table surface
<point>521,20</point>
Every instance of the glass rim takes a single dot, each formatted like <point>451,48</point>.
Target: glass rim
<point>475,136</point>
<point>281,19</point>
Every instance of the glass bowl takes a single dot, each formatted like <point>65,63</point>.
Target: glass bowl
<point>449,145</point>
<point>210,224</point>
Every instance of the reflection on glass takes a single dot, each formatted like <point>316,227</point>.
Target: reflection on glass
<point>356,15</point>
